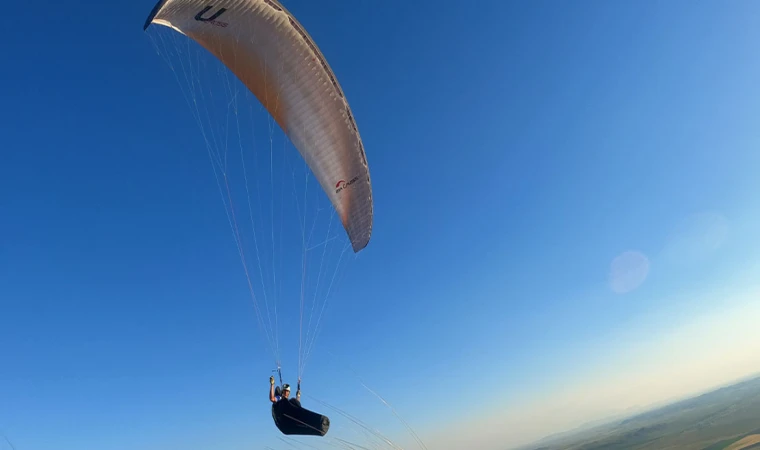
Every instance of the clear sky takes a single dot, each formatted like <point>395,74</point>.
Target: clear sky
<point>566,227</point>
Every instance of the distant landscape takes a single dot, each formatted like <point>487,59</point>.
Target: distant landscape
<point>724,419</point>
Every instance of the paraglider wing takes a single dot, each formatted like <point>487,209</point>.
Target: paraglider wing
<point>274,57</point>
<point>290,418</point>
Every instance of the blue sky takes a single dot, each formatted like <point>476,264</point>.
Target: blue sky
<point>517,150</point>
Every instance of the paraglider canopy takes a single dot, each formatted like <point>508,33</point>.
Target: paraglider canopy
<point>276,59</point>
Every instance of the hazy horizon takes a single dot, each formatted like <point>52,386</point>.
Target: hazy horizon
<point>715,346</point>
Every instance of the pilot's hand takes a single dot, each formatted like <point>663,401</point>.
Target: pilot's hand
<point>271,381</point>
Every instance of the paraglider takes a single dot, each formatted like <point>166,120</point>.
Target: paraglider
<point>292,418</point>
<point>272,55</point>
